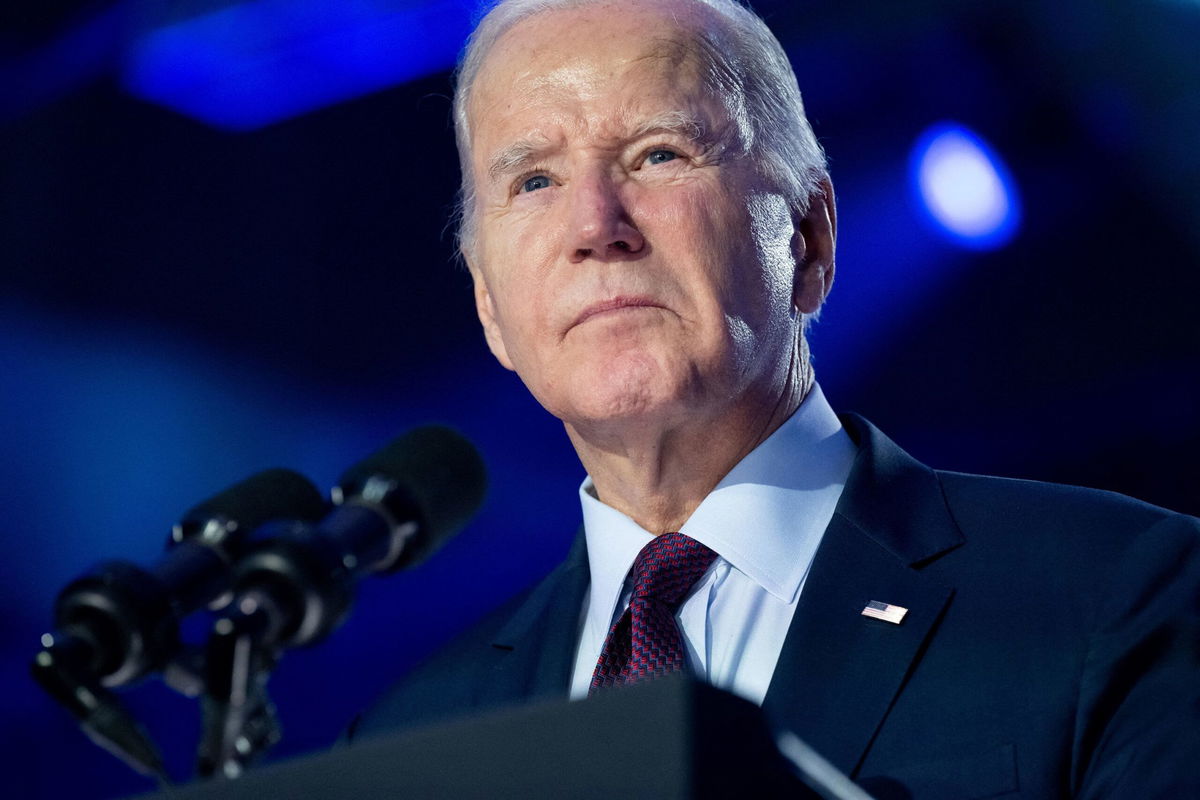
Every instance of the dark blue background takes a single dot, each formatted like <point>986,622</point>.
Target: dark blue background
<point>181,306</point>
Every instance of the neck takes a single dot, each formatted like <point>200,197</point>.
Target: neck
<point>657,475</point>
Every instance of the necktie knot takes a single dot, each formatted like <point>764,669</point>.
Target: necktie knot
<point>666,569</point>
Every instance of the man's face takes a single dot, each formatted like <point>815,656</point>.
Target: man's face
<point>630,264</point>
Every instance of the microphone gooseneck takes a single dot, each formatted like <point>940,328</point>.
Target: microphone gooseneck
<point>119,621</point>
<point>391,511</point>
<point>125,618</point>
<point>278,563</point>
<point>296,583</point>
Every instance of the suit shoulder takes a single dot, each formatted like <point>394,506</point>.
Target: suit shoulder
<point>1099,521</point>
<point>986,490</point>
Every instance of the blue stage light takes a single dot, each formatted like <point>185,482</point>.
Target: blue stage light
<point>964,187</point>
<point>255,63</point>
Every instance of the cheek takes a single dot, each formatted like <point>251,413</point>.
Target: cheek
<point>681,207</point>
<point>520,285</point>
<point>518,239</point>
<point>771,230</point>
<point>684,226</point>
<point>745,268</point>
<point>737,247</point>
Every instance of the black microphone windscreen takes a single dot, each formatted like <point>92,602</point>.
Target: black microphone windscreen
<point>438,471</point>
<point>269,495</point>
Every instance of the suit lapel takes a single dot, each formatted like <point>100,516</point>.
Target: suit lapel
<point>839,672</point>
<point>534,652</point>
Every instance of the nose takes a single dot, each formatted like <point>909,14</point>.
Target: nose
<point>600,225</point>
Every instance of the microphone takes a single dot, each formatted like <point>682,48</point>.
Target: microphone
<point>295,585</point>
<point>391,511</point>
<point>119,621</point>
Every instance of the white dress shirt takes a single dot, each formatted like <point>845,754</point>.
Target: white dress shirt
<point>764,520</point>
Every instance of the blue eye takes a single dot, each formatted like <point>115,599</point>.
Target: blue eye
<point>660,157</point>
<point>535,183</point>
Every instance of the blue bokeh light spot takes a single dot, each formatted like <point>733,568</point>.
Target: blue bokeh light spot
<point>256,63</point>
<point>964,187</point>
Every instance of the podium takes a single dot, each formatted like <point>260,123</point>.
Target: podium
<point>669,738</point>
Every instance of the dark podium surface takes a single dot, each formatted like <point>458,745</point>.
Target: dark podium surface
<point>670,738</point>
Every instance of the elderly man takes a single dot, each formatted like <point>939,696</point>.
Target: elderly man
<point>650,225</point>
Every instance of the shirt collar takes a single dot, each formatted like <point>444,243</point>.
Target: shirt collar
<point>765,517</point>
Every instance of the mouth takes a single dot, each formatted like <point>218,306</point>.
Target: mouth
<point>616,304</point>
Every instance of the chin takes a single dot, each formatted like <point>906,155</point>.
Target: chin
<point>629,389</point>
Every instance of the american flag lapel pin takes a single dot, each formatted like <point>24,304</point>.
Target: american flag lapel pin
<point>885,611</point>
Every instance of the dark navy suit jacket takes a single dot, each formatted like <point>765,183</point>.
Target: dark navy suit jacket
<point>1051,646</point>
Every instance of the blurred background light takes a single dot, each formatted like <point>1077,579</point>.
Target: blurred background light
<point>251,64</point>
<point>965,187</point>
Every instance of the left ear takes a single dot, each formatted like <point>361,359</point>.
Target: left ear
<point>813,244</point>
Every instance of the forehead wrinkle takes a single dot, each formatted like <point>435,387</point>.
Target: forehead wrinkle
<point>684,124</point>
<point>547,88</point>
<point>691,52</point>
<point>676,49</point>
<point>574,84</point>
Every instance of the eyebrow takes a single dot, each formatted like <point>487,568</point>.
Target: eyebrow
<point>522,152</point>
<point>515,156</point>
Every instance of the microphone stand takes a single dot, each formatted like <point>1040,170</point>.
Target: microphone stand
<point>294,586</point>
<point>119,623</point>
<point>291,580</point>
<point>240,722</point>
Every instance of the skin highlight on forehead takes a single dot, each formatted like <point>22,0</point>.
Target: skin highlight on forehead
<point>519,66</point>
<point>518,75</point>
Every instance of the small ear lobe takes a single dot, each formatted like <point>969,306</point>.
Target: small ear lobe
<point>485,308</point>
<point>814,244</point>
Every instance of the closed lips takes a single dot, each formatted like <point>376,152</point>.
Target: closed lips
<point>616,304</point>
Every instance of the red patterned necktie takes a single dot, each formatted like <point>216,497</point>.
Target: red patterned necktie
<point>645,642</point>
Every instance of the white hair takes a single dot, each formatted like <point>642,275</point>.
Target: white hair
<point>742,53</point>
